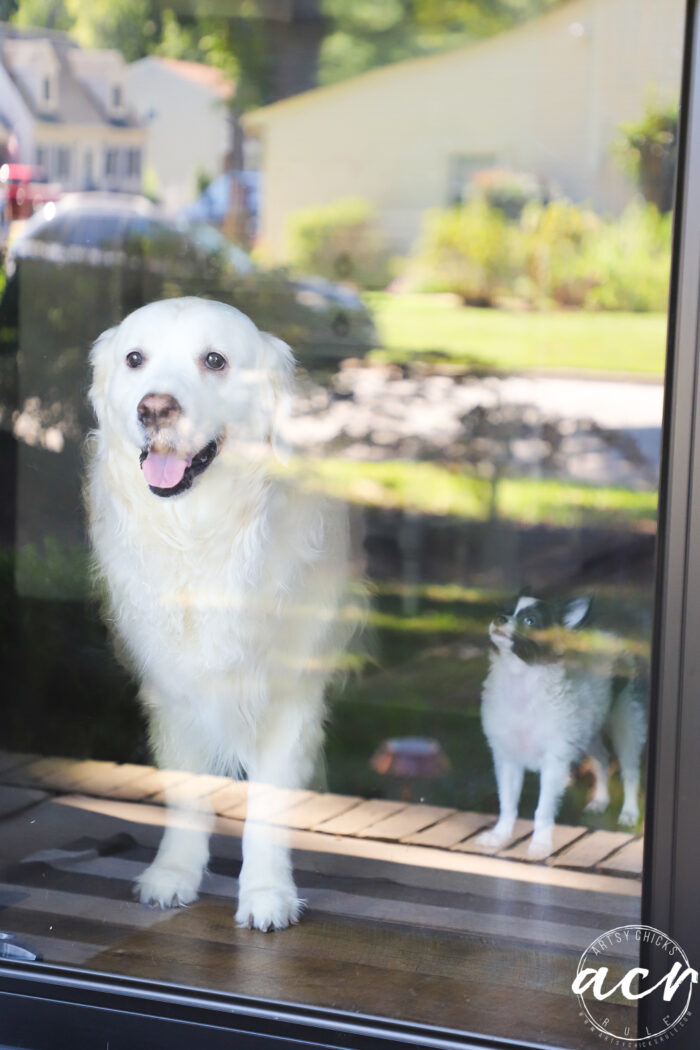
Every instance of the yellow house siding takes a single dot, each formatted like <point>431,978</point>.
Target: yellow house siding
<point>189,128</point>
<point>545,97</point>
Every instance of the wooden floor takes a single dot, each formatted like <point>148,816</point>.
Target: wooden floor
<point>406,917</point>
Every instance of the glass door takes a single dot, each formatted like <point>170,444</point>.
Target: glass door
<point>348,549</point>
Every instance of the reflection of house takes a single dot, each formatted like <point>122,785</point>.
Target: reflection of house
<point>546,97</point>
<point>68,110</point>
<point>189,121</point>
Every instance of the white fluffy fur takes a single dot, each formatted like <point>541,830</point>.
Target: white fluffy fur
<point>228,599</point>
<point>545,717</point>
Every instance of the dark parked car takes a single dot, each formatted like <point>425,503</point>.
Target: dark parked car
<point>123,248</point>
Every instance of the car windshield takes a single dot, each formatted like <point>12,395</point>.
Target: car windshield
<point>52,231</point>
<point>94,229</point>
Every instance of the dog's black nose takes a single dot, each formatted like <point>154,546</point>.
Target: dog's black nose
<point>155,409</point>
<point>499,620</point>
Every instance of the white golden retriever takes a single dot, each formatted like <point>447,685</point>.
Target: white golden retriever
<point>227,584</point>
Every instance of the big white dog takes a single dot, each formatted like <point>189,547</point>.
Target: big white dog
<point>227,582</point>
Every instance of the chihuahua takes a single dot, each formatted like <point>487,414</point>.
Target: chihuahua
<point>546,703</point>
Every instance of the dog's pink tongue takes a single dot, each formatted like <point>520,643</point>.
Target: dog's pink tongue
<point>163,470</point>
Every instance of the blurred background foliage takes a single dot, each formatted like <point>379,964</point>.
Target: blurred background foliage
<point>339,241</point>
<point>542,255</point>
<point>555,254</point>
<point>359,35</point>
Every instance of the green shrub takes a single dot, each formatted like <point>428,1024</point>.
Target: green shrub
<point>627,264</point>
<point>202,181</point>
<point>555,238</point>
<point>471,250</point>
<point>555,254</point>
<point>339,241</point>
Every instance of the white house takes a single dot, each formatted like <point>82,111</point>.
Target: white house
<point>546,97</point>
<point>68,110</point>
<point>185,106</point>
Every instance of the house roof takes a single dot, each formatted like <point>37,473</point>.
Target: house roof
<point>208,77</point>
<point>77,104</point>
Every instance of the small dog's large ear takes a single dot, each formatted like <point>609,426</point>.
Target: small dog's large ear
<point>576,612</point>
<point>277,372</point>
<point>99,360</point>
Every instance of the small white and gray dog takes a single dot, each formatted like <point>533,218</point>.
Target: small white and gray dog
<point>547,702</point>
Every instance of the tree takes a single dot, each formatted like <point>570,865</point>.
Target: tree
<point>233,35</point>
<point>53,14</point>
<point>127,25</point>
<point>368,33</point>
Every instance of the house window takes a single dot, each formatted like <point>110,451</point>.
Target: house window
<point>111,159</point>
<point>63,162</point>
<point>41,157</point>
<point>116,96</point>
<point>460,169</point>
<point>133,162</point>
<point>46,89</point>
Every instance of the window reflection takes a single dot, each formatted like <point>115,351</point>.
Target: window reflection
<point>460,225</point>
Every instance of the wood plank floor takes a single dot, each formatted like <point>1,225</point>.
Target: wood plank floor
<point>409,922</point>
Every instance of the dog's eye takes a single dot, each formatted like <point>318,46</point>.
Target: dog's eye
<point>215,361</point>
<point>529,621</point>
<point>134,359</point>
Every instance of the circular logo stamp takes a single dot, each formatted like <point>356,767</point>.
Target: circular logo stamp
<point>610,983</point>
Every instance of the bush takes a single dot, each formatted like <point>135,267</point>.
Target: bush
<point>471,250</point>
<point>558,253</point>
<point>627,264</point>
<point>339,241</point>
<point>555,237</point>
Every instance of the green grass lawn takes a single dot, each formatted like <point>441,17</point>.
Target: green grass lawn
<point>426,326</point>
<point>426,681</point>
<point>431,488</point>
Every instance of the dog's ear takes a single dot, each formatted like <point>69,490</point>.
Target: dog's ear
<point>576,612</point>
<point>99,360</point>
<point>276,374</point>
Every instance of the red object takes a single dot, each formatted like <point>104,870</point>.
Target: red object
<point>411,756</point>
<point>24,189</point>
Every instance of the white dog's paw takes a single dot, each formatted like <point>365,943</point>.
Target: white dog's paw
<point>629,816</point>
<point>268,908</point>
<point>597,805</point>
<point>493,837</point>
<point>540,845</point>
<point>166,886</point>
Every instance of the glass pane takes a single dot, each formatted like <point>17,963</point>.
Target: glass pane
<point>95,230</point>
<point>390,599</point>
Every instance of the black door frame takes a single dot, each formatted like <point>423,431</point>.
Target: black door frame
<point>47,1006</point>
<point>670,898</point>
